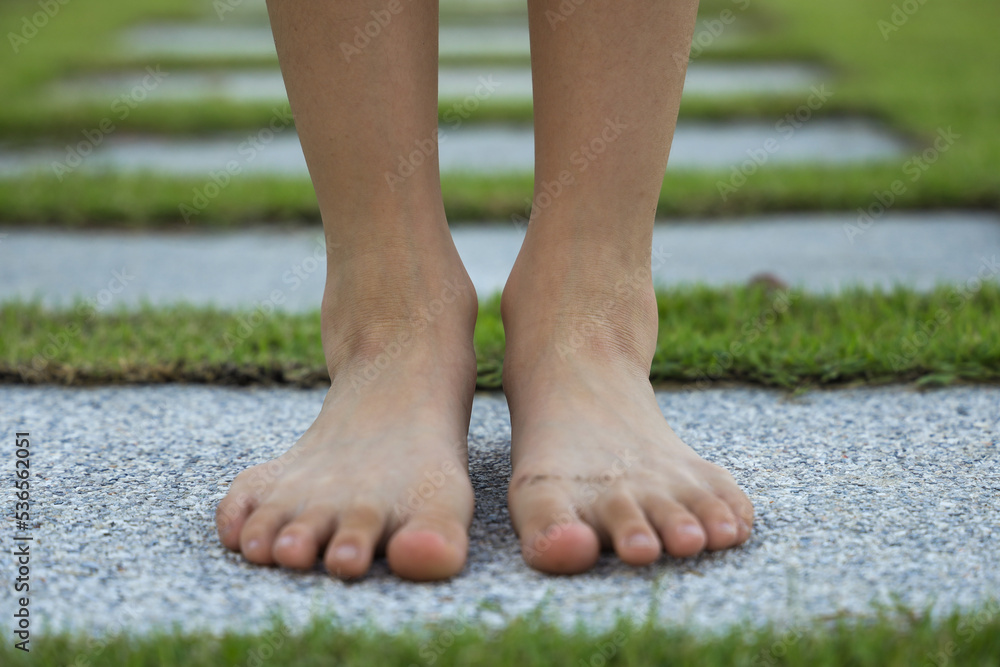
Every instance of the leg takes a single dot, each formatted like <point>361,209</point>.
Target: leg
<point>594,461</point>
<point>385,463</point>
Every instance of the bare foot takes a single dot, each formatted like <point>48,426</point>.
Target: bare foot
<point>594,462</point>
<point>384,466</point>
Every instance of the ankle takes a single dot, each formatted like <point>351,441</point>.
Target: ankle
<point>604,314</point>
<point>396,304</point>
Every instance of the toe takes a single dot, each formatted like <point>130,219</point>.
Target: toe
<point>298,543</point>
<point>359,530</point>
<point>720,524</point>
<point>432,539</point>
<point>740,505</point>
<point>679,529</point>
<point>634,540</point>
<point>553,537</point>
<point>430,546</point>
<point>231,514</point>
<point>259,531</point>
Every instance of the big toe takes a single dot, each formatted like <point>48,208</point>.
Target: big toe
<point>561,548</point>
<point>230,515</point>
<point>553,538</point>
<point>429,547</point>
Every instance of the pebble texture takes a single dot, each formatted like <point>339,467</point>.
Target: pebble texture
<point>863,496</point>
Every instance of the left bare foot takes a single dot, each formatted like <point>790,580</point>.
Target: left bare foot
<point>594,461</point>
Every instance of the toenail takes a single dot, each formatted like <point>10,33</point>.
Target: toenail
<point>727,528</point>
<point>745,526</point>
<point>691,529</point>
<point>285,541</point>
<point>253,545</point>
<point>639,541</point>
<point>345,552</point>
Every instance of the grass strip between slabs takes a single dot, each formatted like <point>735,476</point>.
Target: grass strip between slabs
<point>749,335</point>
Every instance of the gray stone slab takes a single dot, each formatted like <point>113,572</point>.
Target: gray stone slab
<point>242,269</point>
<point>490,38</point>
<point>862,497</point>
<point>454,83</point>
<point>204,41</point>
<point>256,10</point>
<point>266,85</point>
<point>721,79</point>
<point>479,148</point>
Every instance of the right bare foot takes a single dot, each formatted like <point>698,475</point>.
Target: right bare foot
<point>385,464</point>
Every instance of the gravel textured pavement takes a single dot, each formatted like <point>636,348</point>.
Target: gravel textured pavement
<point>863,496</point>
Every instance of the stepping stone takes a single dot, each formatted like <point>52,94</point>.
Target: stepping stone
<point>198,41</point>
<point>205,41</point>
<point>256,10</point>
<point>482,82</point>
<point>202,41</point>
<point>266,85</point>
<point>876,496</point>
<point>484,149</point>
<point>821,253</point>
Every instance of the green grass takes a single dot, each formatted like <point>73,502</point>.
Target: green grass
<point>904,81</point>
<point>145,200</point>
<point>707,336</point>
<point>74,44</point>
<point>889,639</point>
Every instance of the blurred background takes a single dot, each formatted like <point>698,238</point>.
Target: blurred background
<point>148,157</point>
